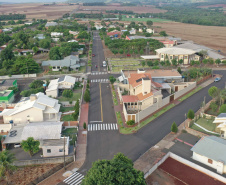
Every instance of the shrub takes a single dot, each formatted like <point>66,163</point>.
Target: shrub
<point>174,127</point>
<point>213,106</point>
<point>223,108</point>
<point>84,125</point>
<point>87,86</point>
<point>87,96</point>
<point>67,93</point>
<point>191,114</point>
<point>130,122</point>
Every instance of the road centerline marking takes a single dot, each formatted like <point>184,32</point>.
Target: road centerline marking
<point>101,103</point>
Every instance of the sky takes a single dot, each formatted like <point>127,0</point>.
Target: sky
<point>31,1</point>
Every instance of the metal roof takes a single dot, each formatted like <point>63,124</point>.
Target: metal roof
<point>175,51</point>
<point>212,147</point>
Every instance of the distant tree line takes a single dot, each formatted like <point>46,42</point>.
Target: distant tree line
<point>94,4</point>
<point>84,15</point>
<point>192,15</point>
<point>120,11</point>
<point>12,17</point>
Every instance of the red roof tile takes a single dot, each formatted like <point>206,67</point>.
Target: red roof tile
<point>134,77</point>
<point>129,98</point>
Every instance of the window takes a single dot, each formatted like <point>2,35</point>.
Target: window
<point>176,57</point>
<point>171,57</point>
<point>61,150</point>
<point>58,67</point>
<point>210,161</point>
<point>185,57</point>
<point>162,56</point>
<point>145,92</point>
<point>54,67</point>
<point>48,150</point>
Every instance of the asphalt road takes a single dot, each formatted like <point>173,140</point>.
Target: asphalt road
<point>105,144</point>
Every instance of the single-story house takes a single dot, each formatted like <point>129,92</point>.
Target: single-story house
<point>64,82</point>
<point>168,44</point>
<point>40,36</point>
<point>149,30</point>
<point>56,34</point>
<point>23,52</point>
<point>113,33</point>
<point>70,62</point>
<point>48,24</point>
<point>220,122</point>
<point>211,151</point>
<point>5,84</point>
<point>74,32</point>
<point>132,31</point>
<point>28,23</point>
<point>48,133</point>
<point>73,40</point>
<point>98,26</point>
<point>211,53</point>
<point>7,96</point>
<point>187,55</point>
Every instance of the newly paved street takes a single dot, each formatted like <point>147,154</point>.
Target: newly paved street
<point>105,144</point>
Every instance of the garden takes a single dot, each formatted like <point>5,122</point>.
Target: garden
<point>72,133</point>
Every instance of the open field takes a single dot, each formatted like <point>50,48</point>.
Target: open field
<point>135,9</point>
<point>38,10</point>
<point>210,36</point>
<point>124,18</point>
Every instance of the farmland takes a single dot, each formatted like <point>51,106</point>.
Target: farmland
<point>38,10</point>
<point>124,18</point>
<point>210,36</point>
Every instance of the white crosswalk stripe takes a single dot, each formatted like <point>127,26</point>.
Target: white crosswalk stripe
<point>98,73</point>
<point>102,126</point>
<point>74,179</point>
<point>99,80</point>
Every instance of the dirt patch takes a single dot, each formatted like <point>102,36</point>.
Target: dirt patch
<point>25,175</point>
<point>210,36</point>
<point>38,10</point>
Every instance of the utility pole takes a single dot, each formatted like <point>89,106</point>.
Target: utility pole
<point>185,119</point>
<point>138,113</point>
<point>64,154</point>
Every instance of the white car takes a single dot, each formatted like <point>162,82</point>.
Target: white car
<point>17,145</point>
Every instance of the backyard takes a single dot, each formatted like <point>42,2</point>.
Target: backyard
<point>206,124</point>
<point>66,109</point>
<point>76,95</point>
<point>72,133</point>
<point>68,117</point>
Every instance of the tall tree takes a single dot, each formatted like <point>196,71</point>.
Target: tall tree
<point>6,166</point>
<point>119,170</point>
<point>212,91</point>
<point>30,145</point>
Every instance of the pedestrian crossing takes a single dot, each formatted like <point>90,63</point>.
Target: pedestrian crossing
<point>74,179</point>
<point>99,73</point>
<point>100,80</point>
<point>102,126</point>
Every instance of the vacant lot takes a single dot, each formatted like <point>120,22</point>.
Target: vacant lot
<point>38,10</point>
<point>210,36</point>
<point>135,9</point>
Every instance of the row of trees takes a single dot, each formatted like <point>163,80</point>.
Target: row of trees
<point>13,17</point>
<point>193,15</point>
<point>119,11</point>
<point>132,46</point>
<point>35,87</point>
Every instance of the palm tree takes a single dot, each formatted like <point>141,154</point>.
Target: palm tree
<point>222,96</point>
<point>6,167</point>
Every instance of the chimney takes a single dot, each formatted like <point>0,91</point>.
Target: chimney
<point>33,97</point>
<point>146,85</point>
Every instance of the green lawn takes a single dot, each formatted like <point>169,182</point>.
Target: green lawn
<point>68,117</point>
<point>114,97</point>
<point>75,97</point>
<point>207,123</point>
<point>118,69</point>
<point>211,112</point>
<point>71,133</point>
<point>125,62</point>
<point>190,94</point>
<point>66,109</point>
<point>119,118</point>
<point>201,130</point>
<point>82,69</point>
<point>83,56</point>
<point>125,130</point>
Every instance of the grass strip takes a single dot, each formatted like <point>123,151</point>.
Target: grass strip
<point>190,94</point>
<point>119,118</point>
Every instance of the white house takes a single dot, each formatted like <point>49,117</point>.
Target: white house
<point>56,34</point>
<point>47,133</point>
<point>64,82</point>
<point>149,30</point>
<point>74,32</point>
<point>36,108</point>
<point>211,151</point>
<point>220,122</point>
<point>132,31</point>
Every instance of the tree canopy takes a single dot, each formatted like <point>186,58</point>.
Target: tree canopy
<point>118,171</point>
<point>30,145</point>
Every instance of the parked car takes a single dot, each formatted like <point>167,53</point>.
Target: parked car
<point>128,55</point>
<point>93,55</point>
<point>17,145</point>
<point>217,79</point>
<point>104,64</point>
